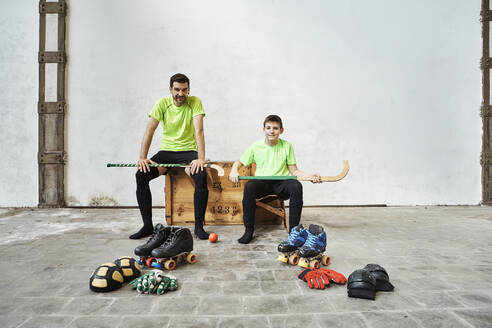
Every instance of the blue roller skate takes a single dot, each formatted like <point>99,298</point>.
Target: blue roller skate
<point>290,246</point>
<point>311,253</point>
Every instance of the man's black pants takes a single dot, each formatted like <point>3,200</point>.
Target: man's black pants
<point>144,196</point>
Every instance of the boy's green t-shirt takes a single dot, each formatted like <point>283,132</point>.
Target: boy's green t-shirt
<point>270,160</point>
<point>178,132</point>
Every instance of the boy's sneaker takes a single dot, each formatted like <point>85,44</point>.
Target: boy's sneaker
<point>315,243</point>
<point>296,239</point>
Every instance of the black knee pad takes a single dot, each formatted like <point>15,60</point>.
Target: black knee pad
<point>382,278</point>
<point>361,284</point>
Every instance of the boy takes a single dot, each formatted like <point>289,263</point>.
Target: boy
<point>183,141</point>
<point>273,157</point>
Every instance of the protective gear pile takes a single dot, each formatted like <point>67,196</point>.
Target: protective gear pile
<point>110,276</point>
<point>129,266</point>
<point>364,283</point>
<point>107,277</point>
<point>154,282</point>
<point>321,278</point>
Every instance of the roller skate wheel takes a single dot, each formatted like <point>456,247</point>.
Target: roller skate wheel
<point>314,264</point>
<point>293,259</point>
<point>170,265</point>
<point>302,263</point>
<point>142,260</point>
<point>282,258</point>
<point>149,261</point>
<point>191,258</point>
<point>325,260</point>
<point>157,265</point>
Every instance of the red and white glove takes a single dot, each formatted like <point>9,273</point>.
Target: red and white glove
<point>321,278</point>
<point>335,277</point>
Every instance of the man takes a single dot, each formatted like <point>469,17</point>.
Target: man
<point>183,141</point>
<point>273,157</point>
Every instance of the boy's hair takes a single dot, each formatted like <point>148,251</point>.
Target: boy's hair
<point>273,118</point>
<point>180,78</point>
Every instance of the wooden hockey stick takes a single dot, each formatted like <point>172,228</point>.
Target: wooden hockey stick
<point>338,177</point>
<point>219,169</point>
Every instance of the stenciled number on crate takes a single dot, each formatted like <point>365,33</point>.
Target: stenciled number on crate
<point>224,209</point>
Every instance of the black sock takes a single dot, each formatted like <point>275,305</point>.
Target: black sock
<point>247,237</point>
<point>200,233</point>
<point>144,232</point>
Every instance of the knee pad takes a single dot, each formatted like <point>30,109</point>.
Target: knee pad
<point>382,279</point>
<point>361,284</point>
<point>107,277</point>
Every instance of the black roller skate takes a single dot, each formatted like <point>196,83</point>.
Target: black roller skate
<point>289,247</point>
<point>160,235</point>
<point>176,248</point>
<point>311,253</point>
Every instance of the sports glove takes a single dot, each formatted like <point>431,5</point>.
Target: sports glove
<point>154,283</point>
<point>303,273</point>
<point>321,278</point>
<point>314,278</point>
<point>334,276</point>
<point>317,279</point>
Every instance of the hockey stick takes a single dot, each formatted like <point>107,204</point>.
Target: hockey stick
<point>219,169</point>
<point>338,177</point>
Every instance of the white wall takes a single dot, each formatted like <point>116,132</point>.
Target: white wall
<point>19,26</point>
<point>392,86</point>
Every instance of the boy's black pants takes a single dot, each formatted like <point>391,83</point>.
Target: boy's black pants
<point>285,189</point>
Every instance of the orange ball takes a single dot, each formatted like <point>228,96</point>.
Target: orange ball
<point>213,237</point>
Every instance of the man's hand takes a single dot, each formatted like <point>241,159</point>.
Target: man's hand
<point>234,175</point>
<point>197,165</point>
<point>143,165</point>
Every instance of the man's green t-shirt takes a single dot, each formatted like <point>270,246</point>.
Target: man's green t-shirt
<point>270,160</point>
<point>178,132</point>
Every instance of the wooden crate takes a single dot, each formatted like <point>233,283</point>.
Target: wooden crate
<point>224,199</point>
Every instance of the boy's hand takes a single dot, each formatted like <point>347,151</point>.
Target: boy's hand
<point>234,176</point>
<point>143,165</point>
<point>316,178</point>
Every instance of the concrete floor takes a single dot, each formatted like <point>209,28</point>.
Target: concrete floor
<point>438,258</point>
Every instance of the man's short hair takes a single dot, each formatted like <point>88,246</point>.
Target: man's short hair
<point>180,78</point>
<point>273,118</point>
